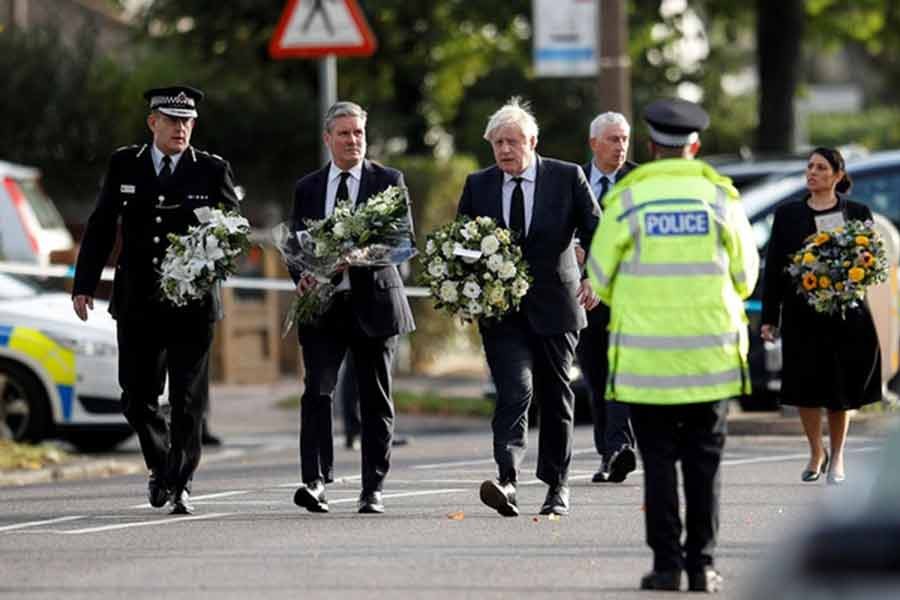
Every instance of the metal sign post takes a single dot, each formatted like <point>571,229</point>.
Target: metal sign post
<point>327,93</point>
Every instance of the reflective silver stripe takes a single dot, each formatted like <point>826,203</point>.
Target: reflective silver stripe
<point>674,269</point>
<point>678,342</point>
<point>595,270</point>
<point>634,224</point>
<point>720,202</point>
<point>678,381</point>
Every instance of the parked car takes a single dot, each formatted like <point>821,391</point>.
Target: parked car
<point>58,376</point>
<point>31,228</point>
<point>876,183</point>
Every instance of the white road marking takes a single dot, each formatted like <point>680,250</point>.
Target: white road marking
<point>203,497</point>
<point>483,461</point>
<point>39,523</point>
<point>160,521</point>
<point>403,495</point>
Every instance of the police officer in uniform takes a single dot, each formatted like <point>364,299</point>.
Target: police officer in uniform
<point>674,257</point>
<point>152,190</point>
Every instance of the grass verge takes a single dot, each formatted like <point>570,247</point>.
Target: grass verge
<point>423,403</point>
<point>15,456</point>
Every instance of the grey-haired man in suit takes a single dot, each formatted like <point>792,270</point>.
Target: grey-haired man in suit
<point>368,313</point>
<point>613,438</point>
<point>530,352</point>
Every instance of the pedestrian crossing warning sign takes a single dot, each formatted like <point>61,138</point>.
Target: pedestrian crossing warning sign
<point>309,28</point>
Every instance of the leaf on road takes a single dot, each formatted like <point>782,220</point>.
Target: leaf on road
<point>457,516</point>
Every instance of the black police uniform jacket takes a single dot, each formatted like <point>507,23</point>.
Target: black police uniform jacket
<point>131,194</point>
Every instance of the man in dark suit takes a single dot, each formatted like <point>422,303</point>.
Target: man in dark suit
<point>613,438</point>
<point>153,191</point>
<point>369,312</point>
<point>530,352</point>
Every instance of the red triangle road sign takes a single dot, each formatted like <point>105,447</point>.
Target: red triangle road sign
<point>310,28</point>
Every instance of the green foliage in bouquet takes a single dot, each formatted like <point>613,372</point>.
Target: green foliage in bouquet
<point>475,270</point>
<point>833,268</point>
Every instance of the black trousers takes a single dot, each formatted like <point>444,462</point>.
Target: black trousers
<point>348,398</point>
<point>177,342</point>
<point>612,429</point>
<point>524,364</point>
<point>324,348</point>
<point>695,435</point>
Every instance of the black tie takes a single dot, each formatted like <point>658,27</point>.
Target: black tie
<point>166,170</point>
<point>604,187</point>
<point>343,192</point>
<point>517,209</point>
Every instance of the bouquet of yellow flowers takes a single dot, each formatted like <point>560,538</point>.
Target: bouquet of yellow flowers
<point>833,268</point>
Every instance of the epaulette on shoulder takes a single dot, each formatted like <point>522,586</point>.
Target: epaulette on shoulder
<point>134,147</point>
<point>209,154</point>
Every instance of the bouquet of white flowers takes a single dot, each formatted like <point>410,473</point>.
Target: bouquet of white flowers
<point>474,269</point>
<point>376,233</point>
<point>207,254</point>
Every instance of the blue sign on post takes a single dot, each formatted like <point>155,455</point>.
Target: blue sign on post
<point>565,38</point>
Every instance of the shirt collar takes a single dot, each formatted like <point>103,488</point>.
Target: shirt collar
<point>529,174</point>
<point>355,172</point>
<point>597,173</point>
<point>158,156</point>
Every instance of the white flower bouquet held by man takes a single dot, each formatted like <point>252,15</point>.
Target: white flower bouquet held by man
<point>206,255</point>
<point>475,270</point>
<point>834,268</point>
<point>377,233</point>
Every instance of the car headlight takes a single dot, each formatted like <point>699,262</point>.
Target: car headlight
<point>82,346</point>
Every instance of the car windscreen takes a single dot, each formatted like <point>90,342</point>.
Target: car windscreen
<point>40,203</point>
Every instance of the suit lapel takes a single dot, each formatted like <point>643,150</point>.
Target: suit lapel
<point>366,181</point>
<point>537,205</point>
<point>321,192</point>
<point>495,209</point>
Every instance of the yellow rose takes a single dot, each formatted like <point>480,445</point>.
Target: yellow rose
<point>847,263</point>
<point>821,239</point>
<point>839,286</point>
<point>824,282</point>
<point>867,259</point>
<point>861,240</point>
<point>856,274</point>
<point>808,257</point>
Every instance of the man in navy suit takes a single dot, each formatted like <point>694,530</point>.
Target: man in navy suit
<point>530,352</point>
<point>369,312</point>
<point>613,438</point>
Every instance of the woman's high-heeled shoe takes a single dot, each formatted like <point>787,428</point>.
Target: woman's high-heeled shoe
<point>809,475</point>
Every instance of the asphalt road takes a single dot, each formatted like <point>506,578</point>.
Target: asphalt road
<point>99,539</point>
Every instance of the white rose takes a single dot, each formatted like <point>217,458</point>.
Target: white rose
<point>471,290</point>
<point>495,296</point>
<point>339,230</point>
<point>464,233</point>
<point>447,249</point>
<point>472,228</point>
<point>448,292</point>
<point>490,244</point>
<point>430,247</point>
<point>519,288</point>
<point>508,270</point>
<point>495,262</point>
<point>437,268</point>
<point>484,221</point>
<point>204,214</point>
<point>474,308</point>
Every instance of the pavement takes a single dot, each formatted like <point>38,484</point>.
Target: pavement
<point>240,410</point>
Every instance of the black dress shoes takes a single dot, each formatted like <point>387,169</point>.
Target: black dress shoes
<point>557,501</point>
<point>157,492</point>
<point>370,503</point>
<point>312,497</point>
<point>809,475</point>
<point>621,464</point>
<point>662,580</point>
<point>706,580</point>
<point>602,474</point>
<point>181,503</point>
<point>501,496</point>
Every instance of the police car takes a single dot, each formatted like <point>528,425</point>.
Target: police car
<point>58,376</point>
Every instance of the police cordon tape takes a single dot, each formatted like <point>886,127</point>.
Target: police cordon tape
<point>246,283</point>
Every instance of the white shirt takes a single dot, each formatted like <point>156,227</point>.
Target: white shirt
<point>157,155</point>
<point>528,179</point>
<point>334,180</point>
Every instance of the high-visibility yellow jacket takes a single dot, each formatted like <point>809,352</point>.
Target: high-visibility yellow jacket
<point>674,257</point>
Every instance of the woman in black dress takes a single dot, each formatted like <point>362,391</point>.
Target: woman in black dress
<point>829,362</point>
